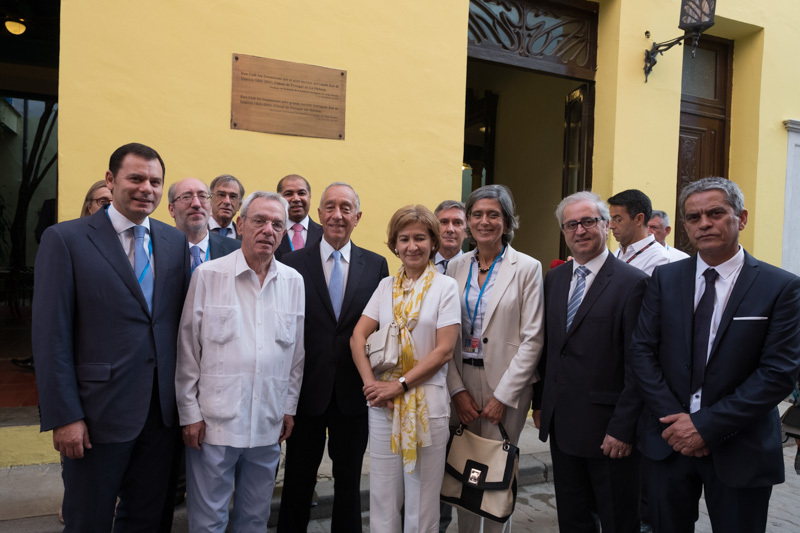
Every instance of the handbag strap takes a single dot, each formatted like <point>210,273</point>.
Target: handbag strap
<point>503,432</point>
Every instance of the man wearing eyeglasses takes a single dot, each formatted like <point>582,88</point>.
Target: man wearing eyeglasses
<point>588,397</point>
<point>189,203</point>
<point>226,197</point>
<point>239,372</point>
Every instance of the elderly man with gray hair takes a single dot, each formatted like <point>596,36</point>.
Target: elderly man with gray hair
<point>239,372</point>
<point>659,227</point>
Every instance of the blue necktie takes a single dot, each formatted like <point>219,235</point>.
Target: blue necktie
<point>577,295</point>
<point>336,285</point>
<point>223,231</point>
<point>702,330</point>
<point>141,265</point>
<point>196,260</point>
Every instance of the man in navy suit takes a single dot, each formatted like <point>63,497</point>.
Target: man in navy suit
<point>108,296</point>
<point>302,231</point>
<point>717,347</point>
<point>189,203</point>
<point>331,399</point>
<point>590,405</point>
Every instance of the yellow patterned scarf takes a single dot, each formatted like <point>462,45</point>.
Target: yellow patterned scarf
<point>410,428</point>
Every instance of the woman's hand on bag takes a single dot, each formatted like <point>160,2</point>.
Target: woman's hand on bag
<point>381,393</point>
<point>494,411</point>
<point>466,407</point>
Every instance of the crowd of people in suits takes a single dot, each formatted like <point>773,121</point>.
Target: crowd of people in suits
<point>178,360</point>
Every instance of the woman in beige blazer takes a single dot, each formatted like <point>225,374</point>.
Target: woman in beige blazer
<point>502,328</point>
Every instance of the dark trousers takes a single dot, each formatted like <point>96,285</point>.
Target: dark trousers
<point>137,471</point>
<point>609,487</point>
<point>347,442</point>
<point>674,488</point>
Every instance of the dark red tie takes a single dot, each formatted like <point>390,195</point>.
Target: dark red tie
<point>702,329</point>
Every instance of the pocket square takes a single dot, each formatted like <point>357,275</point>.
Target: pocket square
<point>751,318</point>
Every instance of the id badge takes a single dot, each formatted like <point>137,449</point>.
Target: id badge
<point>471,344</point>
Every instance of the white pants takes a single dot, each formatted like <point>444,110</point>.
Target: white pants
<point>210,475</point>
<point>390,486</point>
<point>474,379</point>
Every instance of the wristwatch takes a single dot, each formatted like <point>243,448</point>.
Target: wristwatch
<point>402,381</point>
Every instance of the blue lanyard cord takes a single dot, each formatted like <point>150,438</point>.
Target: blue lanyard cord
<point>149,258</point>
<point>472,316</point>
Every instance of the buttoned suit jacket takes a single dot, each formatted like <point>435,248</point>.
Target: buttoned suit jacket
<point>588,383</point>
<point>221,246</point>
<point>314,234</point>
<point>329,366</point>
<point>95,342</point>
<point>513,326</point>
<point>752,366</point>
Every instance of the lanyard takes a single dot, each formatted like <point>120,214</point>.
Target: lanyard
<point>480,294</point>
<point>634,256</point>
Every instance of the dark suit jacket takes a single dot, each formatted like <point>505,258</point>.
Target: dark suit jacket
<point>314,235</point>
<point>94,341</point>
<point>588,382</point>
<point>329,364</point>
<point>752,366</point>
<point>221,246</point>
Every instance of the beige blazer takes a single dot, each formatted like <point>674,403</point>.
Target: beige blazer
<point>513,326</point>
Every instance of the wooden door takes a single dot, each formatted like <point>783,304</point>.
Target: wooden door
<point>704,137</point>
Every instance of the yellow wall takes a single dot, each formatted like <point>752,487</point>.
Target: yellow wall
<point>160,73</point>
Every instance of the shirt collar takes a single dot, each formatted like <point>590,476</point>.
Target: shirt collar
<point>439,257</point>
<point>640,244</point>
<point>326,250</point>
<point>303,223</point>
<point>214,224</point>
<point>474,257</point>
<point>595,264</point>
<point>121,223</point>
<point>242,266</point>
<point>203,244</point>
<point>724,269</point>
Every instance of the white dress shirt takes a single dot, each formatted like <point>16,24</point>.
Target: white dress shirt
<point>203,245</point>
<point>240,351</point>
<point>290,231</point>
<point>594,265</point>
<point>213,224</point>
<point>124,230</point>
<point>472,298</point>
<point>325,252</point>
<point>439,261</point>
<point>675,254</point>
<point>645,255</point>
<point>728,272</point>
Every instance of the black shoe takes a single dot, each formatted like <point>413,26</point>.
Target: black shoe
<point>26,364</point>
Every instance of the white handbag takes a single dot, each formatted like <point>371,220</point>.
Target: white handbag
<point>383,348</point>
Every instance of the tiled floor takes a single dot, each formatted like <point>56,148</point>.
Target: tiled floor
<point>17,386</point>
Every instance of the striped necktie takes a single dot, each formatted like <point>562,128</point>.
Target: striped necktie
<point>141,265</point>
<point>577,295</point>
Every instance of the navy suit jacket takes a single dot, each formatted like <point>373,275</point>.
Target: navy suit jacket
<point>589,385</point>
<point>221,246</point>
<point>752,366</point>
<point>313,237</point>
<point>329,366</point>
<point>95,343</point>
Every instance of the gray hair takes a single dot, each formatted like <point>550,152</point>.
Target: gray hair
<point>503,195</point>
<point>267,196</point>
<point>226,178</point>
<point>662,215</point>
<point>341,184</point>
<point>449,204</point>
<point>582,196</point>
<point>733,194</point>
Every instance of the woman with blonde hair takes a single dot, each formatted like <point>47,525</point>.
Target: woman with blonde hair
<point>97,197</point>
<point>409,404</point>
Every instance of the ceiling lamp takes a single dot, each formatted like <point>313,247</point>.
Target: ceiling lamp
<point>16,26</point>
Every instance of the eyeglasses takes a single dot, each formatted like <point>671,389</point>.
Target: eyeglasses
<point>258,222</point>
<point>101,202</point>
<point>187,197</point>
<point>587,223</point>
<point>221,195</point>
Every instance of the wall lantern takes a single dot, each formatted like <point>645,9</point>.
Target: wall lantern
<point>696,17</point>
<point>15,26</point>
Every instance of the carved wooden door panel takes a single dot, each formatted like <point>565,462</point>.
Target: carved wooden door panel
<point>704,137</point>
